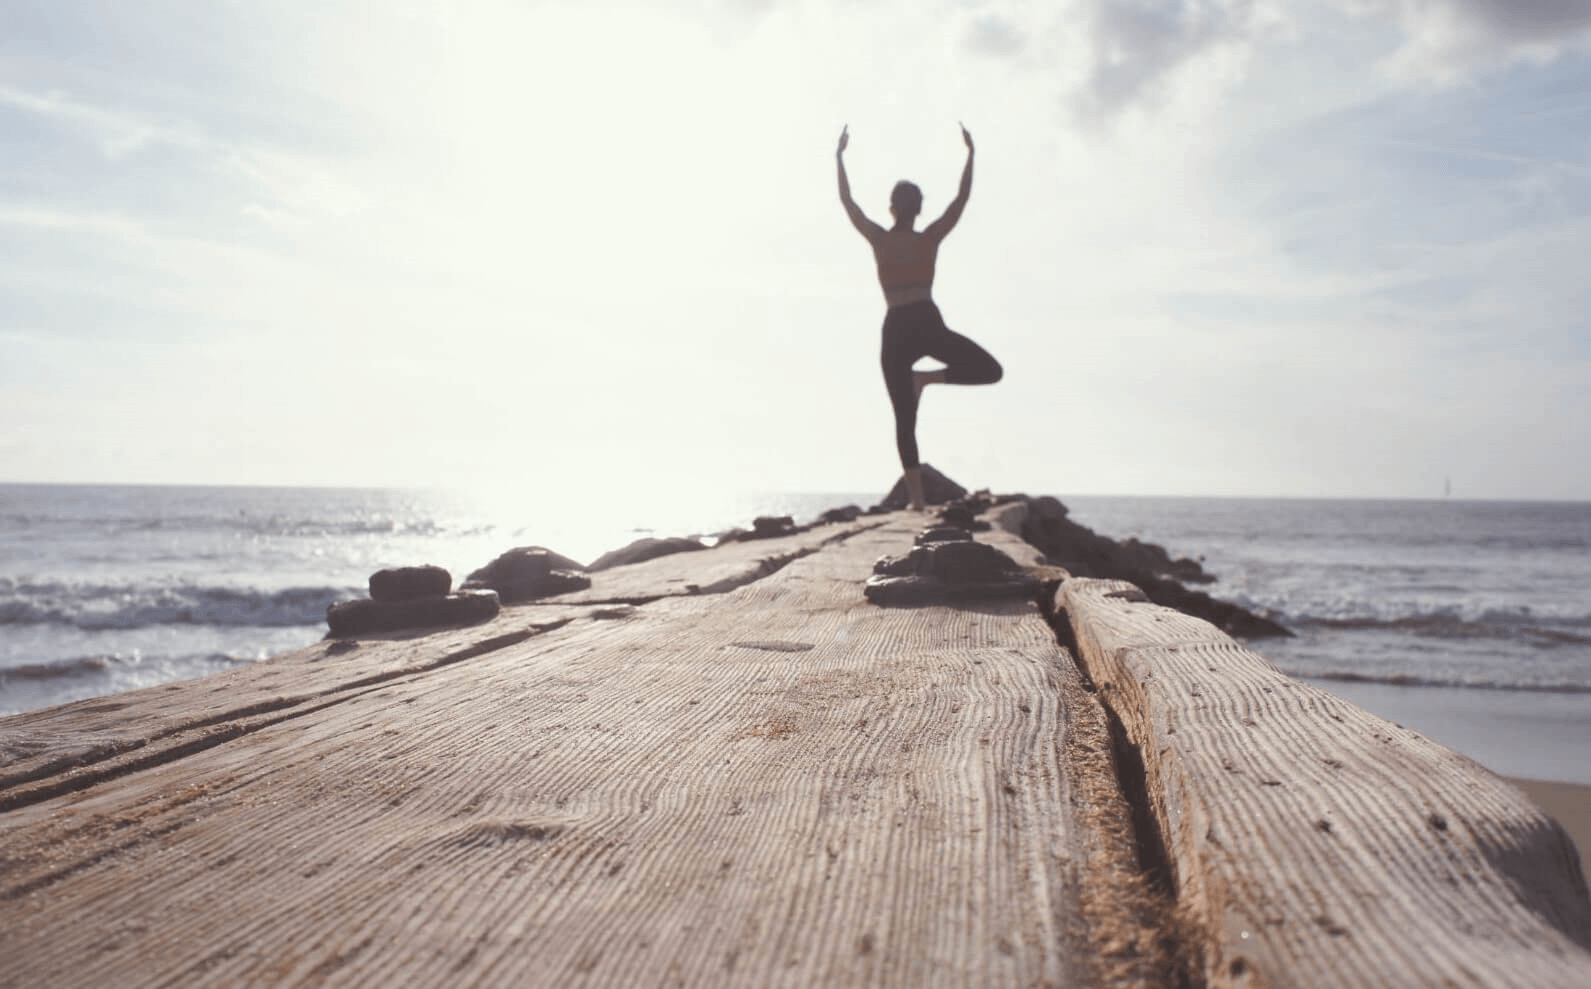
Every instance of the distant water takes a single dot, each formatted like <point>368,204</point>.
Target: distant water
<point>106,588</point>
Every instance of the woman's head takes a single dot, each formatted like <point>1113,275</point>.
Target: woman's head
<point>905,200</point>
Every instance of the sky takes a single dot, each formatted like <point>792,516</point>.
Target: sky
<point>1301,248</point>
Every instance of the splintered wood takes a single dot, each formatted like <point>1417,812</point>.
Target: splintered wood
<point>779,785</point>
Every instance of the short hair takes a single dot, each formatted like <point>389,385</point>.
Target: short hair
<point>906,199</point>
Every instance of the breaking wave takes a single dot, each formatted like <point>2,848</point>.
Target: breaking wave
<point>98,606</point>
<point>1524,627</point>
<point>1468,683</point>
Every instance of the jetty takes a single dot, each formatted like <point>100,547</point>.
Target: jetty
<point>729,767</point>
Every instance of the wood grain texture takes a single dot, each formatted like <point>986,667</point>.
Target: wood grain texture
<point>721,569</point>
<point>70,745</point>
<point>42,752</point>
<point>781,785</point>
<point>1314,843</point>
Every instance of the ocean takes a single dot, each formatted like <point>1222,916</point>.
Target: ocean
<point>107,588</point>
<point>1473,594</point>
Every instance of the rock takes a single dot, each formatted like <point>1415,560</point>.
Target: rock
<point>975,503</point>
<point>407,583</point>
<point>1084,553</point>
<point>468,607</point>
<point>1045,507</point>
<point>957,515</point>
<point>1010,517</point>
<point>950,569</point>
<point>762,527</point>
<point>849,513</point>
<point>366,615</point>
<point>526,573</point>
<point>768,526</point>
<point>963,514</point>
<point>906,565</point>
<point>937,489</point>
<point>968,562</point>
<point>941,534</point>
<point>644,549</point>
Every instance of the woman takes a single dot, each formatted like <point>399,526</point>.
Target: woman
<point>913,328</point>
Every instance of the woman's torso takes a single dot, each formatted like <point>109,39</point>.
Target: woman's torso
<point>905,265</point>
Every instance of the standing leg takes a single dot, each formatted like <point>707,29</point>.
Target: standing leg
<point>914,488</point>
<point>897,357</point>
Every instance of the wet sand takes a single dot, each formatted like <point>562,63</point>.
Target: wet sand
<point>1521,734</point>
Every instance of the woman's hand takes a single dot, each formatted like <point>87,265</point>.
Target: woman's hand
<point>966,138</point>
<point>845,138</point>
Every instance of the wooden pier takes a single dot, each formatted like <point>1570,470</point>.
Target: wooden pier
<point>728,768</point>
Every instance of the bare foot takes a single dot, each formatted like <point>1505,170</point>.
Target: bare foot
<point>921,380</point>
<point>914,489</point>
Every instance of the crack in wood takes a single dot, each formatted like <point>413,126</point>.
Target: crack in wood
<point>1132,780</point>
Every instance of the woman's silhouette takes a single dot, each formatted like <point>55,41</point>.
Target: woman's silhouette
<point>913,328</point>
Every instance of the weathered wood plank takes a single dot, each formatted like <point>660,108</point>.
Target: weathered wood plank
<point>57,748</point>
<point>783,785</point>
<point>715,571</point>
<point>40,752</point>
<point>1315,843</point>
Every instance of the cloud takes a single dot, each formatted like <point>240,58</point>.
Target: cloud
<point>116,134</point>
<point>993,34</point>
<point>45,218</point>
<point>1445,39</point>
<point>1114,56</point>
<point>294,183</point>
<point>1138,46</point>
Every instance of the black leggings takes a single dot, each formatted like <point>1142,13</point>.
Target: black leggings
<point>914,331</point>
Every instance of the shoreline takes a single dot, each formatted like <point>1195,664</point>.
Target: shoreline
<point>1524,734</point>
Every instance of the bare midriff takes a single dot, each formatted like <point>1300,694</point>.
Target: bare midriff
<point>900,295</point>
<point>905,266</point>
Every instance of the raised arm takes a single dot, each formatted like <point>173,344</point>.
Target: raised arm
<point>867,228</point>
<point>946,223</point>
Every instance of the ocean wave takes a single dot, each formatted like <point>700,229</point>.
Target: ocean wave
<point>308,524</point>
<point>126,606</point>
<point>128,670</point>
<point>1466,683</point>
<point>77,666</point>
<point>275,525</point>
<point>1550,632</point>
<point>1444,608</point>
<point>1491,543</point>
